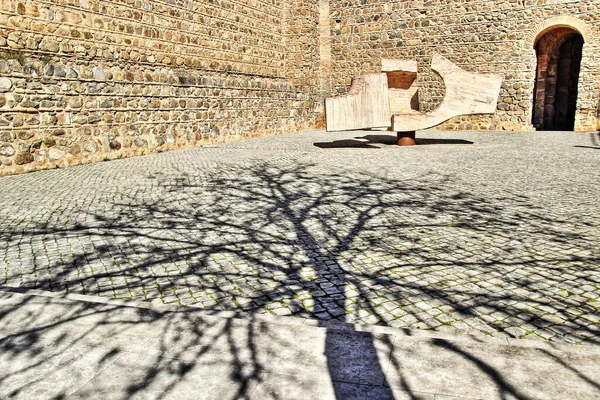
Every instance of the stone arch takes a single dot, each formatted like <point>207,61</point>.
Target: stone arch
<point>561,21</point>
<point>559,50</point>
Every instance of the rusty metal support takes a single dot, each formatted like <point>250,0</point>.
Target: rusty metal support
<point>406,138</point>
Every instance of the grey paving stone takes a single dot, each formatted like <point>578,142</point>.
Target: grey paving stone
<point>348,391</point>
<point>479,233</point>
<point>479,370</point>
<point>126,379</point>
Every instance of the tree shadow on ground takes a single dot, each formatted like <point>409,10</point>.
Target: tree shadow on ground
<point>288,239</point>
<point>345,144</point>
<point>370,142</point>
<point>53,348</point>
<point>595,142</point>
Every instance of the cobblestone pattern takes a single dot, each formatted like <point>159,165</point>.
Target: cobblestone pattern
<point>486,233</point>
<point>480,36</point>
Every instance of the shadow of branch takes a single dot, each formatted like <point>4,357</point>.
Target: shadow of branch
<point>292,240</point>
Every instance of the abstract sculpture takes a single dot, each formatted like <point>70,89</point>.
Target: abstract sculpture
<point>389,100</point>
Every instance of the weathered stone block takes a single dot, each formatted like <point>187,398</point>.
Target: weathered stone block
<point>32,120</point>
<point>127,141</point>
<point>49,141</point>
<point>64,118</point>
<point>91,146</point>
<point>157,140</point>
<point>75,149</point>
<point>59,71</point>
<point>55,154</point>
<point>39,156</point>
<point>25,135</point>
<point>6,136</point>
<point>23,158</point>
<point>30,103</point>
<point>98,74</point>
<point>6,150</point>
<point>105,142</point>
<point>86,73</point>
<point>49,44</point>
<point>115,145</point>
<point>23,147</point>
<point>140,142</point>
<point>5,84</point>
<point>94,118</point>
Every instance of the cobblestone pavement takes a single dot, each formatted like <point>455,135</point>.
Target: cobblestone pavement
<point>469,232</point>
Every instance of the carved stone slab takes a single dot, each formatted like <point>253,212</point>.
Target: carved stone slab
<point>392,65</point>
<point>390,100</point>
<point>366,105</point>
<point>466,93</point>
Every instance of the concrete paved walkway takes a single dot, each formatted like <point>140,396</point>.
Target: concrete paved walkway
<point>79,347</point>
<point>489,233</point>
<point>495,235</point>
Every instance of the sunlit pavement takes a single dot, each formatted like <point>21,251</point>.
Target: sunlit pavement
<point>57,346</point>
<point>492,234</point>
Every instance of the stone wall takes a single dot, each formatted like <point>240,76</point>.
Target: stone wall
<point>303,54</point>
<point>479,36</point>
<point>86,80</point>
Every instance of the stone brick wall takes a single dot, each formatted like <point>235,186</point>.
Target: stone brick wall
<point>480,36</point>
<point>303,53</point>
<point>86,80</point>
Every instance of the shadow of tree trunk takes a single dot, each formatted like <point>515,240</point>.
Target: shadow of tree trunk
<point>289,239</point>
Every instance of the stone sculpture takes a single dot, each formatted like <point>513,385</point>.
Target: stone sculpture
<point>389,100</point>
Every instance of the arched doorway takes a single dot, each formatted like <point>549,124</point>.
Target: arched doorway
<point>559,54</point>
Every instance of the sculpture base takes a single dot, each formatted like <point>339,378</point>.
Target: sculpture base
<point>406,138</point>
